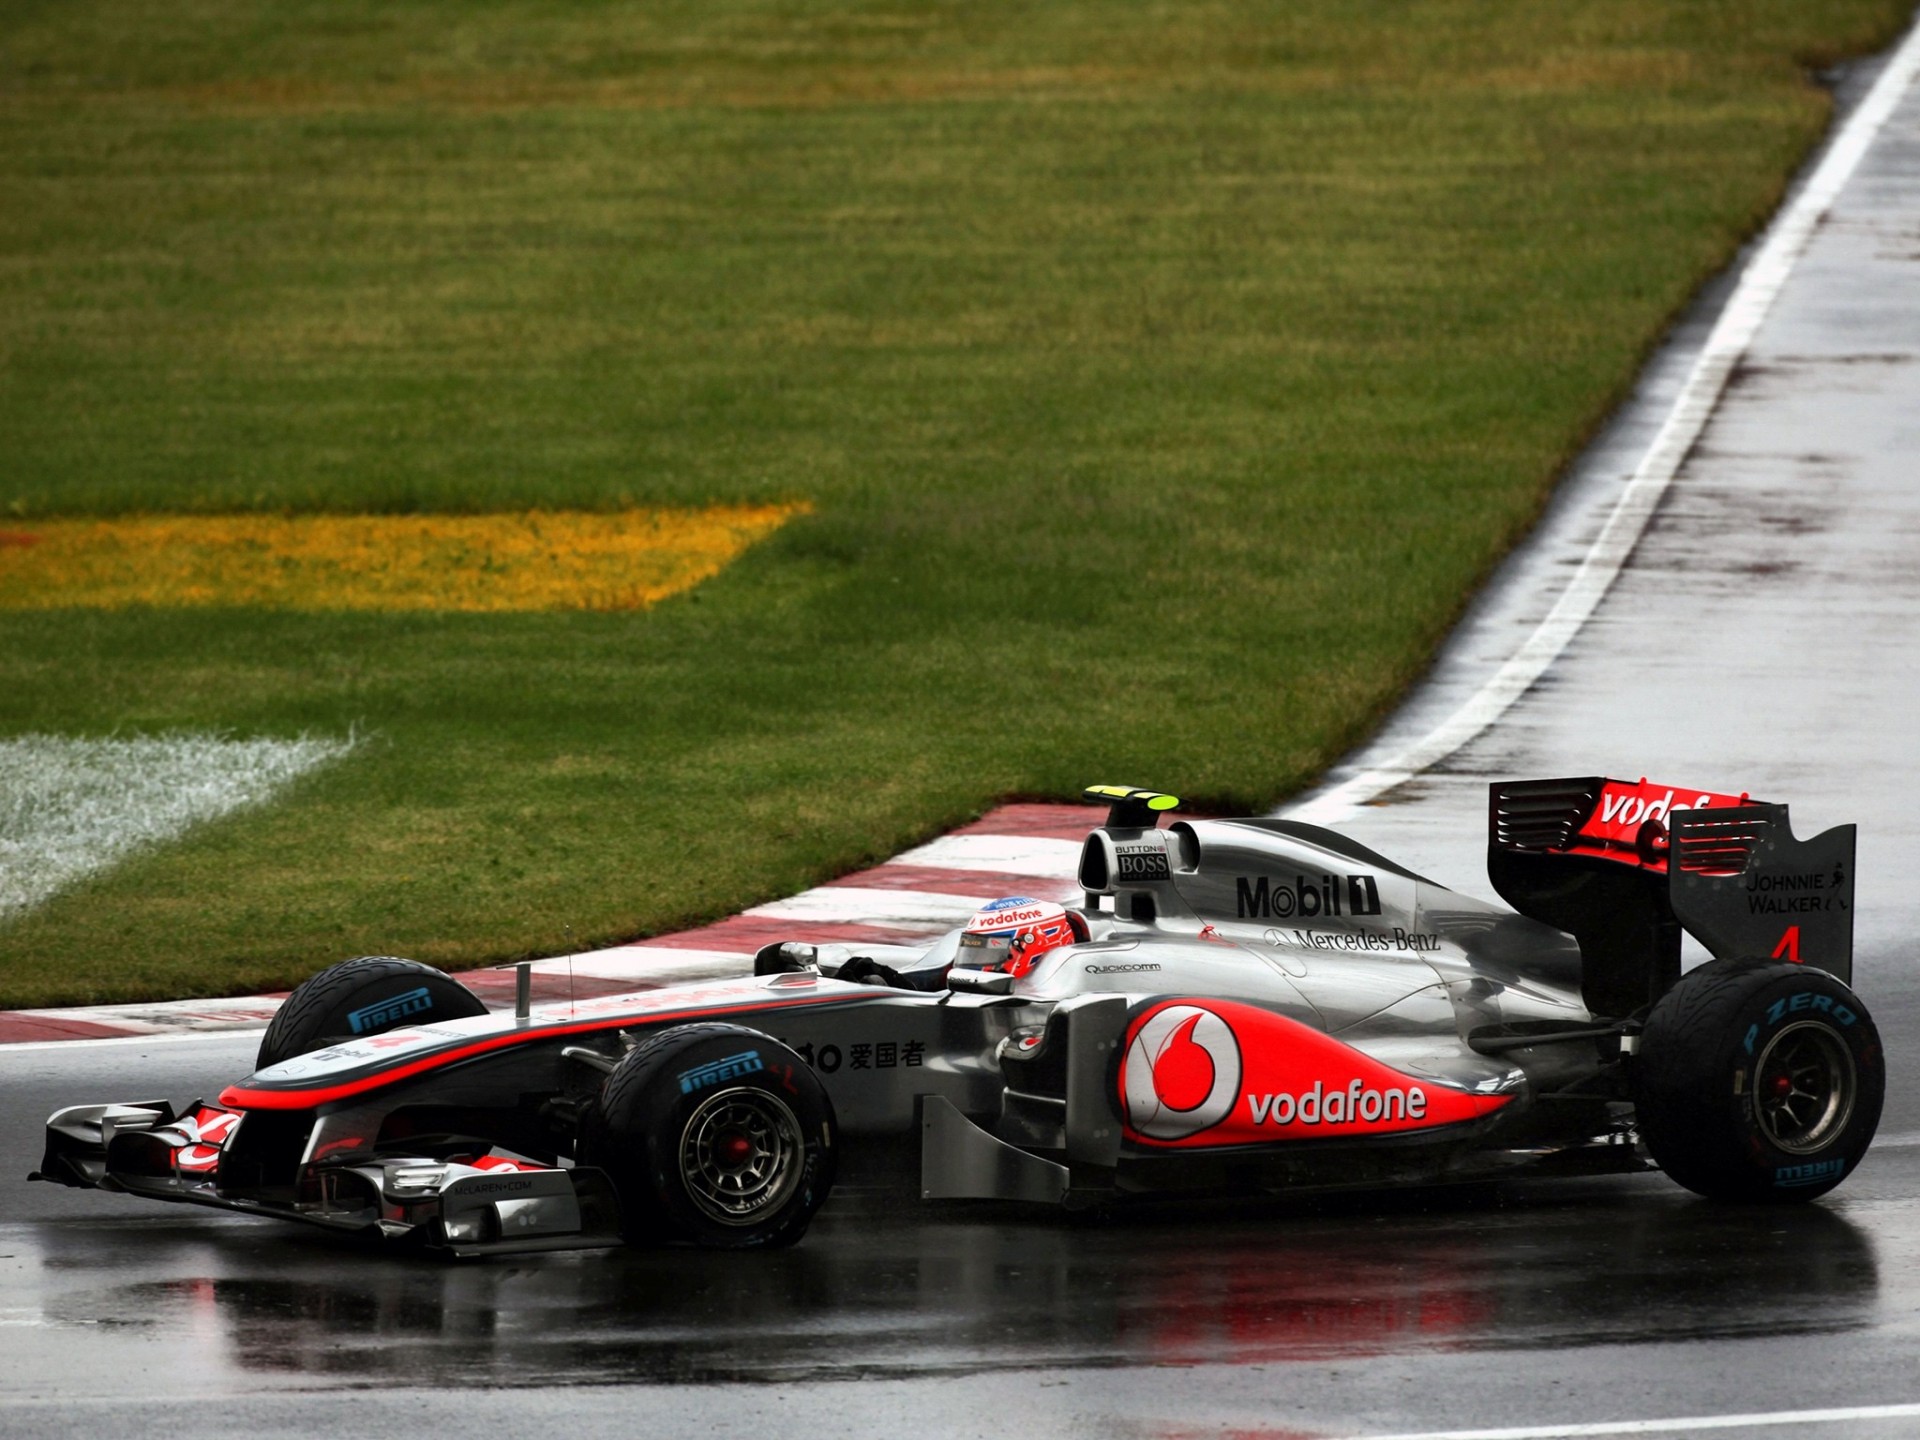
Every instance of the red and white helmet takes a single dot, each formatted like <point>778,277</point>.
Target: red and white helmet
<point>1011,935</point>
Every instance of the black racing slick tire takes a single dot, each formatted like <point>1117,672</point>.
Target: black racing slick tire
<point>713,1134</point>
<point>1759,1081</point>
<point>363,997</point>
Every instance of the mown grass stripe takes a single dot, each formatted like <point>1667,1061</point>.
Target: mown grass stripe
<point>536,560</point>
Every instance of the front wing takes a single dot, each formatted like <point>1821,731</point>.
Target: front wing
<point>492,1204</point>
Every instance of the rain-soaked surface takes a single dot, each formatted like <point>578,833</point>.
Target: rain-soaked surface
<point>873,1293</point>
<point>1343,1315</point>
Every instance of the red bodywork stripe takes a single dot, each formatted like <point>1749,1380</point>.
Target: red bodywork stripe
<point>241,1097</point>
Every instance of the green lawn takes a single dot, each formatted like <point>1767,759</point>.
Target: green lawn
<point>1163,377</point>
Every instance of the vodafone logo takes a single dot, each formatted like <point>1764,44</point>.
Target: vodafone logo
<point>1631,809</point>
<point>1214,1073</point>
<point>1007,919</point>
<point>1181,1073</point>
<point>1623,808</point>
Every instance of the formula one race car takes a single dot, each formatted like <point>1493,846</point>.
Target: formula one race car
<point>1252,1005</point>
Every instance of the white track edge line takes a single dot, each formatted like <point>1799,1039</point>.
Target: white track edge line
<point>1833,1416</point>
<point>1759,286</point>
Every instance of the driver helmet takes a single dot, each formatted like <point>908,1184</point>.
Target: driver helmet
<point>1011,935</point>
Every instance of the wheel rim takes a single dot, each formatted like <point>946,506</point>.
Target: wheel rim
<point>740,1155</point>
<point>1803,1088</point>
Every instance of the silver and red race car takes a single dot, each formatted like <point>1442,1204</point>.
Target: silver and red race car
<point>1251,1005</point>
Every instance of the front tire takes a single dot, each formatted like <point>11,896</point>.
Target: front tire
<point>1759,1081</point>
<point>363,997</point>
<point>714,1134</point>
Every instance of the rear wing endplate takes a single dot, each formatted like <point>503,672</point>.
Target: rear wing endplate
<point>1743,885</point>
<point>1623,865</point>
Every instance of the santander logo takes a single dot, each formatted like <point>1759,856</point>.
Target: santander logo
<point>1181,1074</point>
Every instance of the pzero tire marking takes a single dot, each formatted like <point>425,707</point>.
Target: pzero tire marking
<point>1759,1081</point>
<point>1182,1073</point>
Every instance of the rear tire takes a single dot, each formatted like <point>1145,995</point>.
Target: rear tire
<point>714,1134</point>
<point>1759,1081</point>
<point>363,997</point>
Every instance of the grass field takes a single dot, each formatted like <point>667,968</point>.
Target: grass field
<point>1161,378</point>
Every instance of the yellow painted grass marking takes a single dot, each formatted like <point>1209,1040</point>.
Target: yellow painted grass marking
<point>541,560</point>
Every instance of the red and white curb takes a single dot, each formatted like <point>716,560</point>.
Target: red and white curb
<point>1015,850</point>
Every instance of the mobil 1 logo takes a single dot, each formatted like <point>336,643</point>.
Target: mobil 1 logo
<point>1264,898</point>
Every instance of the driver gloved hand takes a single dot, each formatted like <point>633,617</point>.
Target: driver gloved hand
<point>865,971</point>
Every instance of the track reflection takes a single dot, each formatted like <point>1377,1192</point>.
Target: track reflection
<point>878,1289</point>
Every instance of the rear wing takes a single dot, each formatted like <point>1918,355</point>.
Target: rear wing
<point>1624,865</point>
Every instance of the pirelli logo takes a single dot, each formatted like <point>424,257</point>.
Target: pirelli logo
<point>385,1012</point>
<point>728,1067</point>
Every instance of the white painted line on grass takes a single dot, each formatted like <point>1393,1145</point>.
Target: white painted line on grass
<point>852,905</point>
<point>1839,1415</point>
<point>72,806</point>
<point>1010,854</point>
<point>1760,284</point>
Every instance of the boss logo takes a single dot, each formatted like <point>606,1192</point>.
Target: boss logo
<point>1141,863</point>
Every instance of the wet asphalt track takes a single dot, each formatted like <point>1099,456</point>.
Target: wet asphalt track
<point>1513,1305</point>
<point>1765,636</point>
